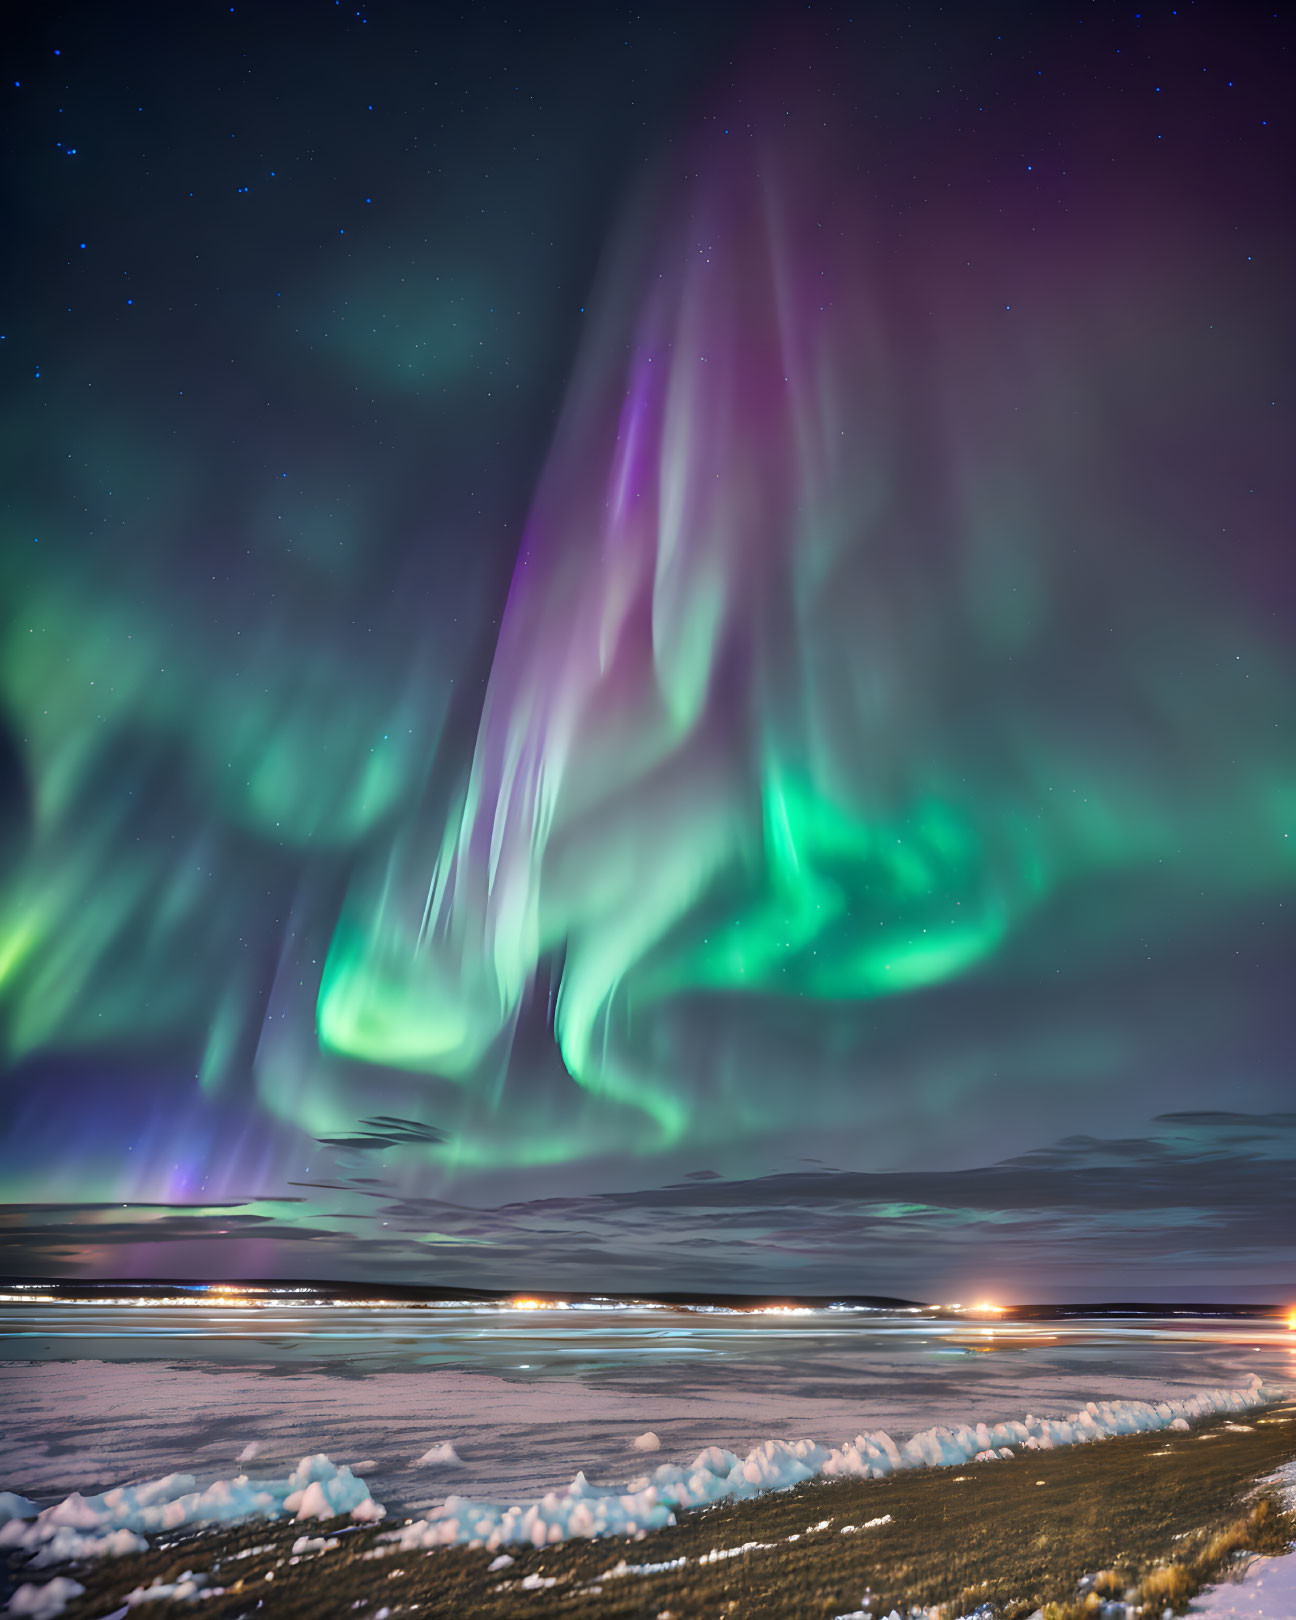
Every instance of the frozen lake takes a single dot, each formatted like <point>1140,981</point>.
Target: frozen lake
<point>94,1396</point>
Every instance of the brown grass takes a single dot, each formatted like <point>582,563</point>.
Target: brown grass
<point>1173,1585</point>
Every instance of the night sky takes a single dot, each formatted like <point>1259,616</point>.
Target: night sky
<point>650,649</point>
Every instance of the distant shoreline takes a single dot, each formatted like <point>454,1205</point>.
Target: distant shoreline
<point>70,1291</point>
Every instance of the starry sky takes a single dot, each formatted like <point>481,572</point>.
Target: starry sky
<point>649,649</point>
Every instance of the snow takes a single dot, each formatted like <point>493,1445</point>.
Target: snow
<point>650,1502</point>
<point>116,1522</point>
<point>85,1424</point>
<point>622,1568</point>
<point>365,1512</point>
<point>647,1442</point>
<point>442,1455</point>
<point>1285,1480</point>
<point>717,1555</point>
<point>188,1585</point>
<point>43,1602</point>
<point>1266,1587</point>
<point>1267,1591</point>
<point>305,1545</point>
<point>580,1510</point>
<point>64,1543</point>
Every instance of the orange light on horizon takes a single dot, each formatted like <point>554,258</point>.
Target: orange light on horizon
<point>1291,1320</point>
<point>529,1304</point>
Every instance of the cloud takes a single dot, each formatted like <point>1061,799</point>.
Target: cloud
<point>384,1131</point>
<point>1177,1212</point>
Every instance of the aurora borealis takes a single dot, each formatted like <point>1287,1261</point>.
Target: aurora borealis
<point>614,631</point>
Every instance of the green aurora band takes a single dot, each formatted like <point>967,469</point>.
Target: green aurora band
<point>868,638</point>
<point>769,717</point>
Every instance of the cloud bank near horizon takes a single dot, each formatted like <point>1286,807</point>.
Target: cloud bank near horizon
<point>1186,1211</point>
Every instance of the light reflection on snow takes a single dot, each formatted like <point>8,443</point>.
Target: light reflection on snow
<point>600,1339</point>
<point>530,1396</point>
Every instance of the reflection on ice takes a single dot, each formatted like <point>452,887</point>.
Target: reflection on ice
<point>95,1394</point>
<point>594,1340</point>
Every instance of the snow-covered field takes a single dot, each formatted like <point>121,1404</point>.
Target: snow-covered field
<point>117,1521</point>
<point>305,1419</point>
<point>1266,1591</point>
<point>210,1393</point>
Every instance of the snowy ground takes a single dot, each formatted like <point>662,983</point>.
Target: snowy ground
<point>571,1392</point>
<point>217,1397</point>
<point>1265,1588</point>
<point>1266,1591</point>
<point>647,1481</point>
<point>117,1521</point>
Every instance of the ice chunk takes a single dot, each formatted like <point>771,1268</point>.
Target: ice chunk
<point>441,1455</point>
<point>651,1500</point>
<point>117,1521</point>
<point>44,1602</point>
<point>187,1586</point>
